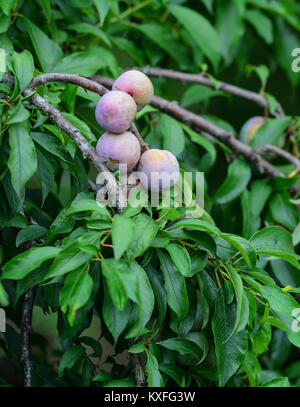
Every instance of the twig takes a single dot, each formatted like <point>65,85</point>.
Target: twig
<point>84,83</point>
<point>225,87</point>
<point>25,337</point>
<point>285,154</point>
<point>138,370</point>
<point>92,186</point>
<point>204,126</point>
<point>143,144</point>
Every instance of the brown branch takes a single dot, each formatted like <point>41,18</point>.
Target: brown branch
<point>26,356</point>
<point>285,154</point>
<point>138,369</point>
<point>84,83</point>
<point>205,81</point>
<point>203,126</point>
<point>143,144</point>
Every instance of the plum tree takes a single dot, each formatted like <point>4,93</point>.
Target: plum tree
<point>250,127</point>
<point>160,169</point>
<point>115,111</point>
<point>118,149</point>
<point>136,84</point>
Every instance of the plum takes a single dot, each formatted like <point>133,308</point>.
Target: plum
<point>118,149</point>
<point>159,170</point>
<point>115,111</point>
<point>250,127</point>
<point>136,84</point>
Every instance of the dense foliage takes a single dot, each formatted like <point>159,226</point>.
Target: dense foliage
<point>199,298</point>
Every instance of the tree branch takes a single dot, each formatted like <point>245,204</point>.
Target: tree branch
<point>203,126</point>
<point>138,370</point>
<point>225,87</point>
<point>25,337</point>
<point>285,154</point>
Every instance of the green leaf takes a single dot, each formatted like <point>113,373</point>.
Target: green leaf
<point>154,377</point>
<point>253,202</point>
<point>286,307</point>
<point>7,6</point>
<point>122,234</point>
<point>201,30</point>
<point>230,28</point>
<point>85,202</point>
<point>75,292</point>
<point>21,265</point>
<point>71,257</point>
<point>18,114</point>
<point>132,50</point>
<point>175,286</point>
<point>277,382</point>
<point>4,299</point>
<point>239,174</point>
<point>122,283</point>
<point>252,368</point>
<point>197,93</point>
<point>282,211</point>
<point>173,371</point>
<point>70,358</point>
<point>22,161</point>
<point>181,259</point>
<point>243,246</point>
<point>115,320</point>
<point>47,51</point>
<point>81,126</point>
<point>173,137</point>
<point>87,63</point>
<point>51,144</point>
<point>159,293</point>
<point>183,346</point>
<point>137,348</point>
<point>164,38</point>
<point>102,7</point>
<point>276,242</point>
<point>86,28</point>
<point>24,68</point>
<point>4,23</point>
<point>32,232</point>
<point>196,224</point>
<point>270,132</point>
<point>261,23</point>
<point>145,301</point>
<point>238,289</point>
<point>46,174</point>
<point>145,229</point>
<point>261,338</point>
<point>204,143</point>
<point>119,383</point>
<point>230,354</point>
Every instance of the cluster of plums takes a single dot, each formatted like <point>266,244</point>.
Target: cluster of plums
<point>115,113</point>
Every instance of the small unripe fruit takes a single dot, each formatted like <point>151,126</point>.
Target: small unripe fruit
<point>118,149</point>
<point>250,127</point>
<point>136,84</point>
<point>159,170</point>
<point>115,111</point>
